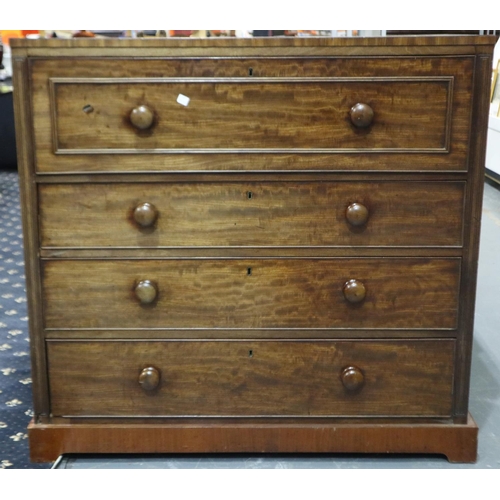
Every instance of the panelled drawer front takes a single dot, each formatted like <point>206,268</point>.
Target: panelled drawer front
<point>367,293</point>
<point>239,107</point>
<point>252,214</point>
<point>251,378</point>
<point>292,115</point>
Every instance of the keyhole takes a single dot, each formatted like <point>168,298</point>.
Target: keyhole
<point>250,195</point>
<point>250,354</point>
<point>250,71</point>
<point>87,109</point>
<point>249,271</point>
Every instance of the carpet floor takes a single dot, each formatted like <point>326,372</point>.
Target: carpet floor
<point>16,407</point>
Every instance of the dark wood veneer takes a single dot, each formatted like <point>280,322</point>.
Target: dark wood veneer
<point>235,214</point>
<point>414,293</point>
<point>250,378</point>
<point>272,115</point>
<point>286,148</point>
<point>310,260</point>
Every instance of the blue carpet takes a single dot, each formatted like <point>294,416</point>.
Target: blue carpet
<point>16,407</point>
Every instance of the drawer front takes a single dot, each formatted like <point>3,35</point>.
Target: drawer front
<point>252,214</point>
<point>228,378</point>
<point>295,115</point>
<point>275,107</point>
<point>368,293</point>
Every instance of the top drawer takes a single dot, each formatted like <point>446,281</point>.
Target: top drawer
<point>265,114</point>
<point>250,115</point>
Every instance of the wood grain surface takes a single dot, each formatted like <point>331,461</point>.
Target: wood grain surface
<point>274,118</point>
<point>404,43</point>
<point>252,293</point>
<point>472,226</point>
<point>259,214</point>
<point>29,206</point>
<point>238,67</point>
<point>232,210</point>
<point>233,115</point>
<point>251,378</point>
<point>458,442</point>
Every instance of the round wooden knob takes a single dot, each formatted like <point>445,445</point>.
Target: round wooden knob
<point>146,292</point>
<point>145,214</point>
<point>356,214</point>
<point>149,379</point>
<point>354,291</point>
<point>361,115</point>
<point>142,117</point>
<point>352,378</point>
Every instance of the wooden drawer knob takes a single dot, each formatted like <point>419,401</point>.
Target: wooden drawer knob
<point>149,379</point>
<point>361,115</point>
<point>142,117</point>
<point>354,291</point>
<point>145,214</point>
<point>356,214</point>
<point>146,292</point>
<point>352,378</point>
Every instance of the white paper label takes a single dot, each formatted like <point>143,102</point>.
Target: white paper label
<point>182,99</point>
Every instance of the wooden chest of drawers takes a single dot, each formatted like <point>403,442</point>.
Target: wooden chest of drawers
<point>252,245</point>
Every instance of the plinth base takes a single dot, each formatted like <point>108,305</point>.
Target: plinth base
<point>457,441</point>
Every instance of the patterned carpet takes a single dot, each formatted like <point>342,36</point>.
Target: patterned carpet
<point>15,378</point>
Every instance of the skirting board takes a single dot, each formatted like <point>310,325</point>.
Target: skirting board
<point>457,441</point>
<point>493,176</point>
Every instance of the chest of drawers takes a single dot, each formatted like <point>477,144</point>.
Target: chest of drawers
<point>252,245</point>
